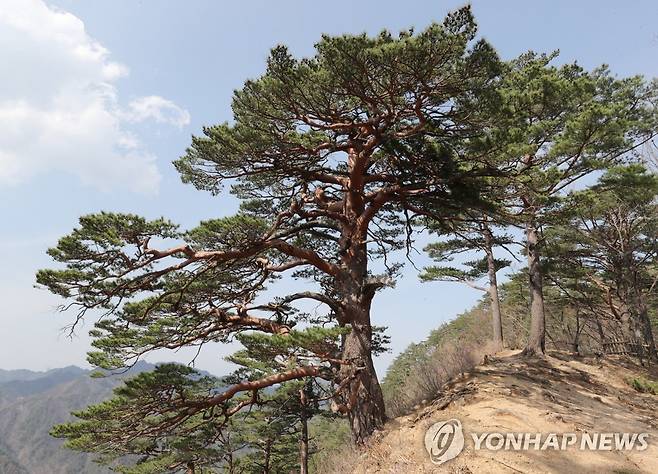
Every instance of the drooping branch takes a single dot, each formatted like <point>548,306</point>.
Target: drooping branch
<point>332,303</point>
<point>306,255</point>
<point>244,321</point>
<point>280,377</point>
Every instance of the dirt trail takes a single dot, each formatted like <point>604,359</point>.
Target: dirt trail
<point>509,394</point>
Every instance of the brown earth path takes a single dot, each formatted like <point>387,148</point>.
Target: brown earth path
<point>510,394</point>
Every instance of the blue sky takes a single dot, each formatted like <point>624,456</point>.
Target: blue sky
<point>97,98</point>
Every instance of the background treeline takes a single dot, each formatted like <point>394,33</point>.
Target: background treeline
<point>418,373</point>
<point>599,293</point>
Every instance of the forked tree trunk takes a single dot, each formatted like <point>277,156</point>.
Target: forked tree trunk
<point>496,317</point>
<point>537,337</point>
<point>361,394</point>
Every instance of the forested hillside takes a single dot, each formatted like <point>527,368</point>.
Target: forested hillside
<point>420,371</point>
<point>31,403</point>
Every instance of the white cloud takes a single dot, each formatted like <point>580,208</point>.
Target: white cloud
<point>159,109</point>
<point>59,106</point>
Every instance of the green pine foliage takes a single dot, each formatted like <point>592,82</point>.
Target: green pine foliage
<point>130,425</point>
<point>603,254</point>
<point>469,242</point>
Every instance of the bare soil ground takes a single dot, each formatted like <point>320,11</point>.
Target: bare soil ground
<point>509,394</point>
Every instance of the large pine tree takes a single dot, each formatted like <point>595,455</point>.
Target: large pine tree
<point>334,157</point>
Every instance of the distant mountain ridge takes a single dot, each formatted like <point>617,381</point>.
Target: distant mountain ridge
<point>42,382</point>
<point>19,374</point>
<point>32,402</point>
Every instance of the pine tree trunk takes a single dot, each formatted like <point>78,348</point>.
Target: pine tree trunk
<point>602,338</point>
<point>303,437</point>
<point>644,322</point>
<point>636,309</point>
<point>575,344</point>
<point>266,457</point>
<point>496,317</point>
<point>363,395</point>
<point>647,335</point>
<point>537,337</point>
